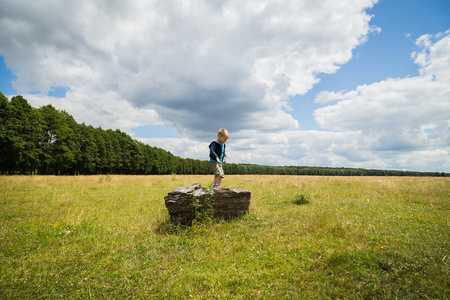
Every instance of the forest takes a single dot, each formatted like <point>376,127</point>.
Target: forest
<point>47,141</point>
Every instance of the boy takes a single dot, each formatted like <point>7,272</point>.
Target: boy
<point>217,156</point>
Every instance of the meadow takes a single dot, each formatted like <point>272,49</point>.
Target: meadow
<point>108,237</point>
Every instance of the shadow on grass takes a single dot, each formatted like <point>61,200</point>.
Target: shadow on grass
<point>167,227</point>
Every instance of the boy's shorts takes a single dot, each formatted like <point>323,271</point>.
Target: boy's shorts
<point>217,169</point>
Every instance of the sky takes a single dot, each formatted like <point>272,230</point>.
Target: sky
<point>350,83</point>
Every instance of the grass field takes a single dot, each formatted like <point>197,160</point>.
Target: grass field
<point>109,237</point>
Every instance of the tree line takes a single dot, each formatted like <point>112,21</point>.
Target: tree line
<point>47,141</point>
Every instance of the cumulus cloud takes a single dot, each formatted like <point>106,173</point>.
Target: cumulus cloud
<point>398,123</point>
<point>198,65</point>
<point>402,120</point>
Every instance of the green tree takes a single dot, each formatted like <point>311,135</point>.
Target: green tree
<point>72,139</point>
<point>88,148</point>
<point>8,157</point>
<point>23,120</point>
<point>58,154</point>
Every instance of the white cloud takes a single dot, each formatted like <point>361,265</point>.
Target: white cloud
<point>392,116</point>
<point>326,96</point>
<point>199,65</point>
<point>100,109</point>
<point>400,123</point>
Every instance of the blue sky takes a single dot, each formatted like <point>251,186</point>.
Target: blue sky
<point>340,84</point>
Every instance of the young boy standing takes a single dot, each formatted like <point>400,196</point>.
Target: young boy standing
<point>217,156</point>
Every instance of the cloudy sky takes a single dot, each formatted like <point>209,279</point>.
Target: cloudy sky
<point>350,83</point>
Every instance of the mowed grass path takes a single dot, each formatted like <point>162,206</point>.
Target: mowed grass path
<point>109,237</point>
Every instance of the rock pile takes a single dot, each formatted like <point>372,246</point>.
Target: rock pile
<point>224,202</point>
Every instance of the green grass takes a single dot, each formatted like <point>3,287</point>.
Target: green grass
<point>109,237</point>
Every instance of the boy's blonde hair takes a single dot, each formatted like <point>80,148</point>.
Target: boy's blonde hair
<point>223,132</point>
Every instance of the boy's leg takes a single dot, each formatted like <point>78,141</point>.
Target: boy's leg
<point>221,175</point>
<point>218,173</point>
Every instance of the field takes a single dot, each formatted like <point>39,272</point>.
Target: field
<point>109,237</point>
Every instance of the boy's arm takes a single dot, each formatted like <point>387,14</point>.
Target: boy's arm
<point>224,154</point>
<point>212,153</point>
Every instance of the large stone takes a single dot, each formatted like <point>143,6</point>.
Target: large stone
<point>226,203</point>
